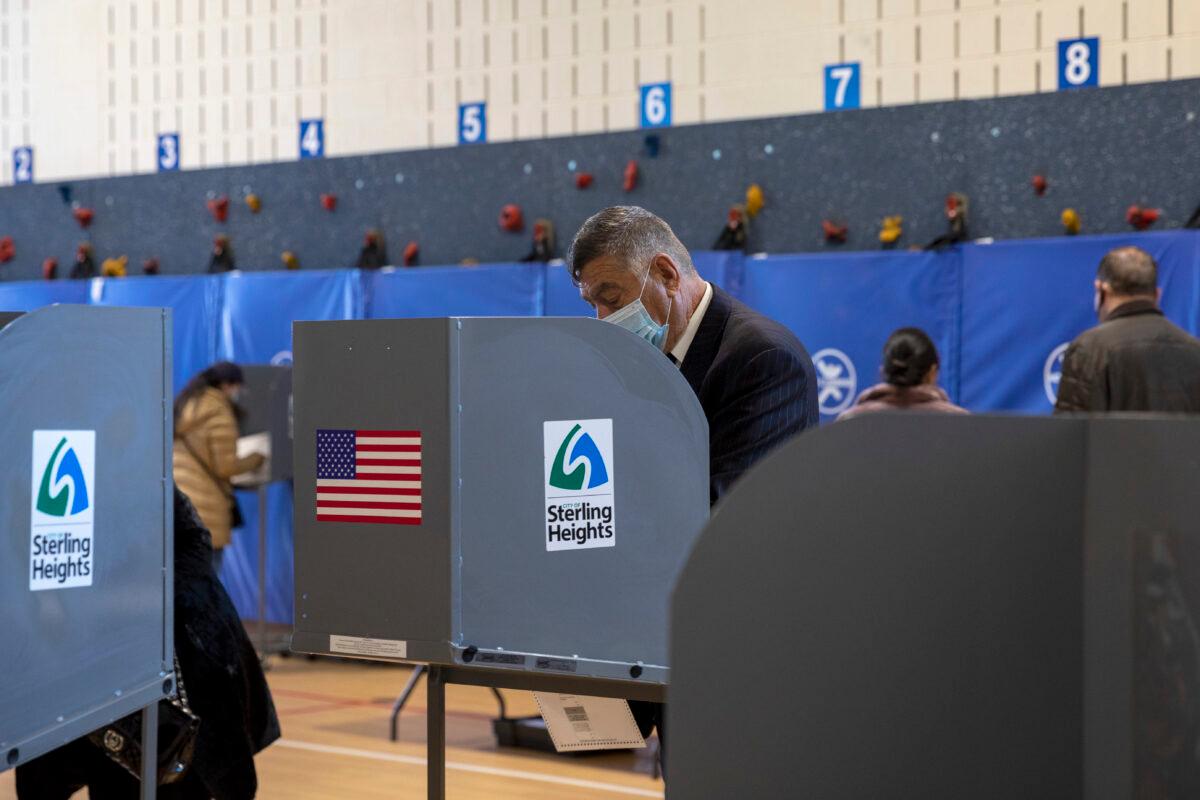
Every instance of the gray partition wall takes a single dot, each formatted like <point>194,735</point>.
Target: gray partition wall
<point>548,479</point>
<point>267,399</point>
<point>943,608</point>
<point>86,522</point>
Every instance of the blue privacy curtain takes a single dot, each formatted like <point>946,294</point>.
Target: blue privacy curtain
<point>844,306</point>
<point>256,328</point>
<point>195,302</point>
<point>1023,301</point>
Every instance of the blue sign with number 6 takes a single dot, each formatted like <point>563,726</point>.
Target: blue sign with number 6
<point>1078,63</point>
<point>472,123</point>
<point>842,82</point>
<point>312,138</point>
<point>168,152</point>
<point>656,105</point>
<point>23,165</point>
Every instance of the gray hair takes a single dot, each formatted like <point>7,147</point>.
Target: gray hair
<point>631,235</point>
<point>1130,271</point>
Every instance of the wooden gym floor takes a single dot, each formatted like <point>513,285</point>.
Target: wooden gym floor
<point>335,725</point>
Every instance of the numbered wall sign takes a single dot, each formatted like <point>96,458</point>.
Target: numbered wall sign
<point>656,105</point>
<point>842,86</point>
<point>1078,63</point>
<point>472,123</point>
<point>23,165</point>
<point>168,152</point>
<point>312,138</point>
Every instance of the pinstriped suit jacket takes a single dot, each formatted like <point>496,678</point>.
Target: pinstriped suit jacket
<point>756,383</point>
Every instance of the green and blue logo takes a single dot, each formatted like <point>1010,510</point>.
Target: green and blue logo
<point>584,467</point>
<point>63,490</point>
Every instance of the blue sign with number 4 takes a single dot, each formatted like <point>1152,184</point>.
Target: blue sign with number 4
<point>656,105</point>
<point>312,138</point>
<point>842,86</point>
<point>1078,63</point>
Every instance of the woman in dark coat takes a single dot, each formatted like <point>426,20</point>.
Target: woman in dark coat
<point>224,684</point>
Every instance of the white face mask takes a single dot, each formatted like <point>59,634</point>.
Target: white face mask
<point>637,320</point>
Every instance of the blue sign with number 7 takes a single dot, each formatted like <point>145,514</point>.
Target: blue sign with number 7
<point>842,82</point>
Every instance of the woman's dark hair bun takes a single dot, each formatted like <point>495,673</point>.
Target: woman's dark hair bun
<point>908,356</point>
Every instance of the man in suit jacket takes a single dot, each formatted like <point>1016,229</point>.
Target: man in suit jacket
<point>754,379</point>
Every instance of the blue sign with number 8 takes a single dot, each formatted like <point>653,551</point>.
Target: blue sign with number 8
<point>1078,63</point>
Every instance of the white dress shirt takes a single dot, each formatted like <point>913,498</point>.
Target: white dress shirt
<point>679,351</point>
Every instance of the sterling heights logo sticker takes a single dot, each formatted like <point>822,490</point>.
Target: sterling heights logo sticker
<point>579,484</point>
<point>62,509</point>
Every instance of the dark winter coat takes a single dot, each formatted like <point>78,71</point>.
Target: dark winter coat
<point>1136,360</point>
<point>224,684</point>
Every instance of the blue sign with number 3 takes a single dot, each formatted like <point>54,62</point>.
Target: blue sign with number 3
<point>1078,63</point>
<point>23,165</point>
<point>656,105</point>
<point>168,152</point>
<point>842,86</point>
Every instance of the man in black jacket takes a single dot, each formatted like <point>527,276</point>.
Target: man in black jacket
<point>1136,359</point>
<point>754,379</point>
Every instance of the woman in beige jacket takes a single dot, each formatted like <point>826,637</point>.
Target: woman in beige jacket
<point>205,457</point>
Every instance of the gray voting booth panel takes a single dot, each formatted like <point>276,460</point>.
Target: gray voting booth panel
<point>475,582</point>
<point>947,608</point>
<point>267,400</point>
<point>86,522</point>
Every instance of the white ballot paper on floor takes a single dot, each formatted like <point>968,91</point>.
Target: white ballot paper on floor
<point>254,443</point>
<point>577,722</point>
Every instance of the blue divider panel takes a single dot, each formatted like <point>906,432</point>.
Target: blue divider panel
<point>562,295</point>
<point>723,268</point>
<point>195,301</point>
<point>239,571</point>
<point>844,306</point>
<point>256,328</point>
<point>1024,301</point>
<point>504,290</point>
<point>259,308</point>
<point>28,295</point>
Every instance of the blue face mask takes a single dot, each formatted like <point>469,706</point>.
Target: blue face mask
<point>636,319</point>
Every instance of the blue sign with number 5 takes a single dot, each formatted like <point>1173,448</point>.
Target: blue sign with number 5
<point>656,105</point>
<point>312,138</point>
<point>168,152</point>
<point>842,84</point>
<point>1078,63</point>
<point>472,123</point>
<point>23,165</point>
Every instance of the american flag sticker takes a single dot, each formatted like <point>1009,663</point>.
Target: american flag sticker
<point>369,476</point>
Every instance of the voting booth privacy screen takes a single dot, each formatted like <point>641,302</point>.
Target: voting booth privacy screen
<point>1000,314</point>
<point>86,522</point>
<point>507,493</point>
<point>1016,618</point>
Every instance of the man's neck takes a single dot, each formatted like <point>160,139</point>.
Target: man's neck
<point>1114,304</point>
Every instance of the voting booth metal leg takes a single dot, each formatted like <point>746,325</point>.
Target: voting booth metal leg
<point>435,733</point>
<point>263,650</point>
<point>150,751</point>
<point>402,700</point>
<point>439,676</point>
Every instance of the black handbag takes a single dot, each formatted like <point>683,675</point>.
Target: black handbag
<point>178,726</point>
